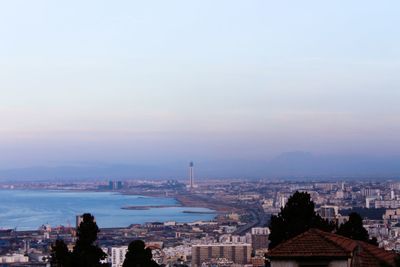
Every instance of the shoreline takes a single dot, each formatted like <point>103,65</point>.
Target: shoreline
<point>199,201</point>
<point>192,201</point>
<point>145,207</point>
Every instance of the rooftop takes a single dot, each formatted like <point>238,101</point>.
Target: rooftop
<point>319,244</point>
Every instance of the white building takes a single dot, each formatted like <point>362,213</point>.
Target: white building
<point>388,204</point>
<point>260,231</point>
<point>329,212</point>
<point>14,258</point>
<point>118,256</point>
<point>282,201</point>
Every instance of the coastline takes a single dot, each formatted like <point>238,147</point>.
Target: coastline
<point>191,200</point>
<point>198,201</point>
<point>145,207</point>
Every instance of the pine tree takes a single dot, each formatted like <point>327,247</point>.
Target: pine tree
<point>139,256</point>
<point>296,217</point>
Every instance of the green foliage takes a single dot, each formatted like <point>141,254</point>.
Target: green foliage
<point>296,217</point>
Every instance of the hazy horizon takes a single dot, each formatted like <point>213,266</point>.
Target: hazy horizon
<point>296,165</point>
<point>158,84</point>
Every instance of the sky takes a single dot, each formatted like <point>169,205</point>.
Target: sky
<point>167,82</point>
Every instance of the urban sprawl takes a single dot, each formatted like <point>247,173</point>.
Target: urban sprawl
<point>237,236</point>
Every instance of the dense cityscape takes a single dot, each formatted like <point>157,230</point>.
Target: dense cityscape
<point>243,209</point>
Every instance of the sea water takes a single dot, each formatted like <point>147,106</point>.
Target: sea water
<point>29,209</point>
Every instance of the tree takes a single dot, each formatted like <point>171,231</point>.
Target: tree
<point>296,217</point>
<point>139,256</point>
<point>86,253</point>
<point>354,229</point>
<point>60,256</point>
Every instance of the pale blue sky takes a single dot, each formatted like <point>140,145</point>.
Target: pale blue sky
<point>168,81</point>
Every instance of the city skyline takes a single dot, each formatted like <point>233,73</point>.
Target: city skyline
<point>159,84</point>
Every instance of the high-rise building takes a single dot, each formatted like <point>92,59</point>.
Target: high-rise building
<point>282,199</point>
<point>79,219</point>
<point>370,192</point>
<point>191,175</point>
<point>329,212</point>
<point>119,185</point>
<point>115,185</point>
<point>259,237</point>
<point>238,253</point>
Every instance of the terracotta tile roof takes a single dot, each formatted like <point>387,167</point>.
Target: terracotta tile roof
<point>372,256</point>
<point>312,244</point>
<point>319,244</point>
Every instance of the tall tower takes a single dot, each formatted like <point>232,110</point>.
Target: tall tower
<point>191,175</point>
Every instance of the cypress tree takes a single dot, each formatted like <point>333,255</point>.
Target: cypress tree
<point>86,253</point>
<point>354,229</point>
<point>296,217</point>
<point>60,256</point>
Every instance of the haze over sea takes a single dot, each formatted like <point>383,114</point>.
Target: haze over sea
<point>29,209</point>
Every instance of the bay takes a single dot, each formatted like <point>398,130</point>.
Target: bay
<point>29,209</point>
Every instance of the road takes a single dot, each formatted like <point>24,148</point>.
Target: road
<point>260,219</point>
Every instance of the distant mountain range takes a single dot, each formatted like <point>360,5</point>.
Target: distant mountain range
<point>307,164</point>
<point>288,165</point>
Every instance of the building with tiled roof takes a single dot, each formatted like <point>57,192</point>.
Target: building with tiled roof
<point>317,249</point>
